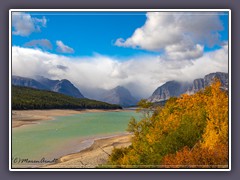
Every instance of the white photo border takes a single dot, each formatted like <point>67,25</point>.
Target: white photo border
<point>114,10</point>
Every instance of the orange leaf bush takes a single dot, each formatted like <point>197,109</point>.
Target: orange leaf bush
<point>190,131</point>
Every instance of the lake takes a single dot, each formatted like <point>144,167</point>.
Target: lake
<point>67,134</point>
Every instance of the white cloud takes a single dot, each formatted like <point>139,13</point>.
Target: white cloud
<point>141,75</point>
<point>63,48</point>
<point>211,62</point>
<point>24,24</point>
<point>42,43</point>
<point>179,35</point>
<point>180,52</point>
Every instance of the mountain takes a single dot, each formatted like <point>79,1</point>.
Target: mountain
<point>31,98</point>
<point>28,82</point>
<point>61,86</point>
<point>196,86</point>
<point>119,95</point>
<point>47,82</point>
<point>223,77</point>
<point>201,83</point>
<point>175,89</point>
<point>167,90</point>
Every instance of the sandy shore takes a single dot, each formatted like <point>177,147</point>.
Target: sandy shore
<point>24,117</point>
<point>93,156</point>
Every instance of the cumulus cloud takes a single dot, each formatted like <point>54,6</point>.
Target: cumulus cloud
<point>141,75</point>
<point>180,52</point>
<point>39,43</point>
<point>63,48</point>
<point>215,61</point>
<point>180,35</point>
<point>24,24</point>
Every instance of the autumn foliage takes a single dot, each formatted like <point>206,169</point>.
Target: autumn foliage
<point>190,131</point>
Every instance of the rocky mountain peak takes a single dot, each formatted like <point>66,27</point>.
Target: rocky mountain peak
<point>66,87</point>
<point>119,95</point>
<point>63,86</point>
<point>175,89</point>
<point>167,90</point>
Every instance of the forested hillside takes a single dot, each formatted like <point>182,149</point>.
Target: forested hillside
<point>188,132</point>
<point>29,98</point>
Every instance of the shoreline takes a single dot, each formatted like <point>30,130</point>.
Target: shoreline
<point>26,117</point>
<point>95,155</point>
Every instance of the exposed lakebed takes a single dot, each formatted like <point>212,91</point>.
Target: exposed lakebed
<point>66,134</point>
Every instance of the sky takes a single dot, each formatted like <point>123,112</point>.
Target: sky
<point>137,50</point>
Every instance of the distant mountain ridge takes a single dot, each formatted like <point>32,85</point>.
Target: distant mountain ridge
<point>119,95</point>
<point>28,82</point>
<point>175,89</point>
<point>63,86</point>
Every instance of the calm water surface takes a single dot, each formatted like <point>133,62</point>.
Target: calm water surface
<point>67,134</point>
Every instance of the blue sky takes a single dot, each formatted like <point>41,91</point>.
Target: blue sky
<point>101,50</point>
<point>88,33</point>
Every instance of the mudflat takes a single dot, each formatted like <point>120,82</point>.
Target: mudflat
<point>93,156</point>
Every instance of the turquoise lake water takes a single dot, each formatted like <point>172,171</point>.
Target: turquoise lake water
<point>67,134</point>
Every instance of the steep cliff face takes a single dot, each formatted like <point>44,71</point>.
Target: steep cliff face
<point>223,77</point>
<point>60,86</point>
<point>199,84</point>
<point>167,90</point>
<point>196,86</point>
<point>175,89</point>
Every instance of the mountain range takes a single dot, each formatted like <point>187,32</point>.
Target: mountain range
<point>175,88</point>
<point>63,86</point>
<point>118,95</point>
